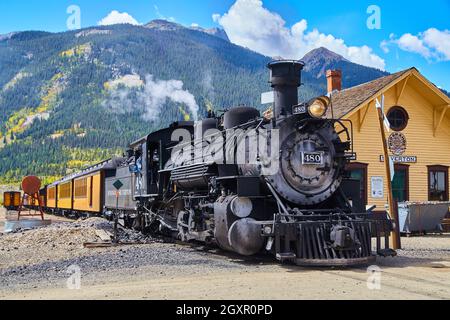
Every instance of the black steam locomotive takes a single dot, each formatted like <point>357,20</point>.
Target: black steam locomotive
<point>253,184</point>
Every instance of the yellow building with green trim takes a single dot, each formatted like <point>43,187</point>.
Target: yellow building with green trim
<point>419,139</point>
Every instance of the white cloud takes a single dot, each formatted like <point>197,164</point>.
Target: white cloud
<point>408,42</point>
<point>249,24</point>
<point>161,16</point>
<point>216,17</point>
<point>116,17</point>
<point>384,45</point>
<point>195,25</point>
<point>431,44</point>
<point>439,41</point>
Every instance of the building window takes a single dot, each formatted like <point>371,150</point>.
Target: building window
<point>398,118</point>
<point>438,183</point>
<point>358,171</point>
<point>400,184</point>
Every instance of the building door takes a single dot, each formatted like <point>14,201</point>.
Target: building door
<point>358,171</point>
<point>400,184</point>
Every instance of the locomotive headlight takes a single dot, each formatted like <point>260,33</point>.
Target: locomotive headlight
<point>318,107</point>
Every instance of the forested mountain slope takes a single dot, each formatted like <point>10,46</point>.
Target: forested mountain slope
<point>70,99</point>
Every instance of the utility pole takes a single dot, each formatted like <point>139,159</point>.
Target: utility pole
<point>393,212</point>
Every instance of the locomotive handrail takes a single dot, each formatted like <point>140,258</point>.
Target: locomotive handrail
<point>277,198</point>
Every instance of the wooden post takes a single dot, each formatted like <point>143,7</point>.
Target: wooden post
<point>395,236</point>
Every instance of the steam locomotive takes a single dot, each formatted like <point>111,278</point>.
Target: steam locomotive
<point>247,183</point>
<point>252,184</point>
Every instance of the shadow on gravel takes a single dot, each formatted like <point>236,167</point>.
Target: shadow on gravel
<point>384,263</point>
<point>400,261</point>
<point>427,236</point>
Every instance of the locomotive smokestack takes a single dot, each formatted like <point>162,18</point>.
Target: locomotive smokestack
<point>285,77</point>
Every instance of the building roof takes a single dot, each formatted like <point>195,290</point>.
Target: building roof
<point>349,99</point>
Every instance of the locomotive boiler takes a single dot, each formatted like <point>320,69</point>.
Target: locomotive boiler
<point>253,184</point>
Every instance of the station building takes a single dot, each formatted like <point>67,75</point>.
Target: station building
<point>418,141</point>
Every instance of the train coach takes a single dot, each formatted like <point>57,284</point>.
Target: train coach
<point>11,200</point>
<point>80,194</point>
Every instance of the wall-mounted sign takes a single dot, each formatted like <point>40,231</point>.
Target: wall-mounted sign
<point>118,185</point>
<point>397,143</point>
<point>377,187</point>
<point>267,97</point>
<point>401,159</point>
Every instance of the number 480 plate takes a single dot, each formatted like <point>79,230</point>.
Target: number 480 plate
<point>312,158</point>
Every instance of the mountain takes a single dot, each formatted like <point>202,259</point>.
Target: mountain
<point>446,92</point>
<point>6,36</point>
<point>164,25</point>
<point>70,99</point>
<point>217,32</point>
<point>318,61</point>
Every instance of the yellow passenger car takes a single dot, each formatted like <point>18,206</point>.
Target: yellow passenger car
<point>11,200</point>
<point>80,193</point>
<point>51,197</point>
<point>87,196</point>
<point>64,195</point>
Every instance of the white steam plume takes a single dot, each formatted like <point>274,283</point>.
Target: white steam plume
<point>151,98</point>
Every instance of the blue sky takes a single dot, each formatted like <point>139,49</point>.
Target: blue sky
<point>412,33</point>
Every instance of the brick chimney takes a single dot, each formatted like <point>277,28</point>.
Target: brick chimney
<point>334,80</point>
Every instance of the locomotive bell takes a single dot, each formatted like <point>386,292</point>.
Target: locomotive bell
<point>285,77</point>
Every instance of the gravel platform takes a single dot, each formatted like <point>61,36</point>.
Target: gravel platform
<point>41,257</point>
<point>37,263</point>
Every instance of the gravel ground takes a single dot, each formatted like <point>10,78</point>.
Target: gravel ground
<point>60,241</point>
<point>35,264</point>
<point>421,251</point>
<point>41,256</point>
<point>123,260</point>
